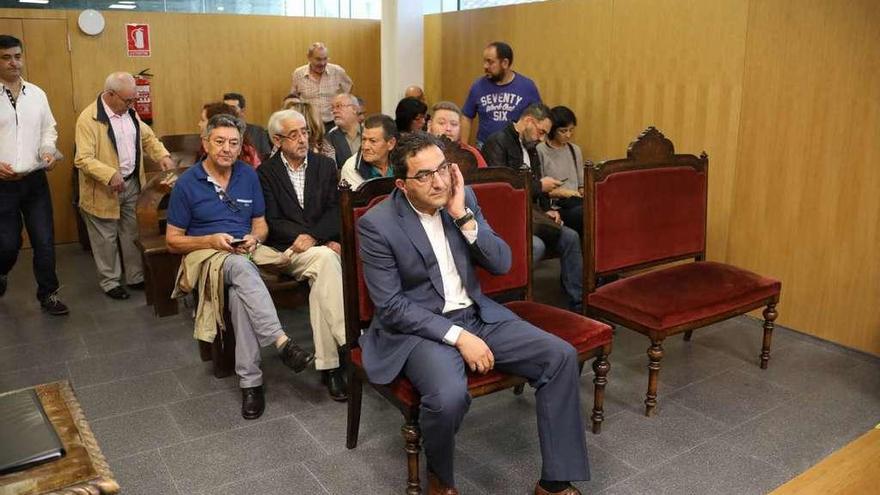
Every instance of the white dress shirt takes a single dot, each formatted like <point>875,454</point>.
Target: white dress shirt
<point>125,133</point>
<point>454,293</point>
<point>27,129</point>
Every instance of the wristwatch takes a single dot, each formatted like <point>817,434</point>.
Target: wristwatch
<point>467,217</point>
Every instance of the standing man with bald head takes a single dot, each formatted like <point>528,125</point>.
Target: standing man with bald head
<point>110,144</point>
<point>319,81</point>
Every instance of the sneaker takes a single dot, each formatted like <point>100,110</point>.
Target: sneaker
<point>53,305</point>
<point>2,285</point>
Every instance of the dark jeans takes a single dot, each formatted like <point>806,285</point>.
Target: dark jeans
<point>29,199</point>
<point>571,210</point>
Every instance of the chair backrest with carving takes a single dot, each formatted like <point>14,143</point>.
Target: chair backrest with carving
<point>503,196</point>
<point>646,209</point>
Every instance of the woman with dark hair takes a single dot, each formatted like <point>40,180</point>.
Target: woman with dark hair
<point>563,160</point>
<point>248,154</point>
<point>410,115</point>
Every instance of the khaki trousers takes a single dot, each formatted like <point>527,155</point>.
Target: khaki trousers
<point>104,234</point>
<point>322,268</point>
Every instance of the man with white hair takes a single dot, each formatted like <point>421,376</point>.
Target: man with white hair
<point>110,145</point>
<point>319,81</point>
<point>302,210</point>
<point>346,136</point>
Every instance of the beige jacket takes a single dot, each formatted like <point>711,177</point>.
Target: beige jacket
<point>202,270</point>
<point>97,160</point>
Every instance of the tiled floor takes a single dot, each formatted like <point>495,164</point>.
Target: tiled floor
<point>167,426</point>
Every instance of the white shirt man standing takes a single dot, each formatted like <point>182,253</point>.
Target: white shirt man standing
<point>27,152</point>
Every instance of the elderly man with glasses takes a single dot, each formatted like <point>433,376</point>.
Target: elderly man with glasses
<point>302,210</point>
<point>110,145</point>
<point>217,218</point>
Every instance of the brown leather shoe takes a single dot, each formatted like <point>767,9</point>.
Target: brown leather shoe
<point>436,487</point>
<point>568,491</point>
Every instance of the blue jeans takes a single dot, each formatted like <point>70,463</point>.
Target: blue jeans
<point>571,263</point>
<point>30,200</point>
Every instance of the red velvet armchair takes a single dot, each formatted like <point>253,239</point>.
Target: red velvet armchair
<point>504,199</point>
<point>646,210</point>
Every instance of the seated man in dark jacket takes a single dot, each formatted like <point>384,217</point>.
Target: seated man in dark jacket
<point>515,147</point>
<point>302,210</point>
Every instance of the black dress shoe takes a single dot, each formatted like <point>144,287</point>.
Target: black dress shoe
<point>333,379</point>
<point>53,305</point>
<point>137,286</point>
<point>118,293</point>
<point>294,357</point>
<point>252,402</point>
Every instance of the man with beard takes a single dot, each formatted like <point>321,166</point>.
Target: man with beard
<point>499,97</point>
<point>432,322</point>
<point>515,146</point>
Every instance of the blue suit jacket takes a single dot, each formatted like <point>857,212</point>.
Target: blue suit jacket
<point>405,285</point>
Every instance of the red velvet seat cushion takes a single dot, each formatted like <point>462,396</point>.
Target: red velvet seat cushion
<point>663,299</point>
<point>581,332</point>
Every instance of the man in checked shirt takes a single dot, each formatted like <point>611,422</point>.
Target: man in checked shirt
<point>319,81</point>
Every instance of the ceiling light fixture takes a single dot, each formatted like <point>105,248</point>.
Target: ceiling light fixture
<point>124,6</point>
<point>40,2</point>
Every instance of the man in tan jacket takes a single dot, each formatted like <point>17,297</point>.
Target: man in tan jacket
<point>110,143</point>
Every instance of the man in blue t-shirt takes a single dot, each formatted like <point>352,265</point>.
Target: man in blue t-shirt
<point>499,97</point>
<point>218,205</point>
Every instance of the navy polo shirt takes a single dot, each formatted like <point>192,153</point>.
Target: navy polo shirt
<point>196,206</point>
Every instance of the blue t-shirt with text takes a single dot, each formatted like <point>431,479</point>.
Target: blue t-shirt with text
<point>498,104</point>
<point>196,206</point>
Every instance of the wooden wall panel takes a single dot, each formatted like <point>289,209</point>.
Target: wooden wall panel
<point>806,205</point>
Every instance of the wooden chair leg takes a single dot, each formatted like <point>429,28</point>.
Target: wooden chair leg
<point>204,350</point>
<point>687,335</point>
<point>518,390</point>
<point>655,354</point>
<point>600,369</point>
<point>770,315</point>
<point>355,392</point>
<point>412,439</point>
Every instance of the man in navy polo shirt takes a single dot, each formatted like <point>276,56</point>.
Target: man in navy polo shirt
<point>218,205</point>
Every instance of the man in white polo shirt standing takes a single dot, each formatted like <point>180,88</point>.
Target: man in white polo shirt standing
<point>27,151</point>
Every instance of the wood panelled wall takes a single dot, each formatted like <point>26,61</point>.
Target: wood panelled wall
<point>195,58</point>
<point>783,96</point>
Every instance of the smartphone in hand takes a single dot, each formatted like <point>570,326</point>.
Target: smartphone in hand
<point>237,242</point>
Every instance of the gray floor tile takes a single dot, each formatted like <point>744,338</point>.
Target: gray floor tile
<point>31,325</point>
<point>290,480</point>
<point>709,469</point>
<point>131,394</point>
<point>742,337</point>
<point>377,469</point>
<point>731,397</point>
<point>805,367</point>
<point>143,474</point>
<point>218,412</point>
<point>127,364</point>
<point>134,339</point>
<point>198,379</point>
<point>643,442</point>
<point>44,353</point>
<point>14,380</point>
<point>328,423</point>
<point>227,457</point>
<point>131,433</point>
<point>506,424</point>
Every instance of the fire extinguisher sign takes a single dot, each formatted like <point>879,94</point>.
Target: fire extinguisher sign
<point>137,40</point>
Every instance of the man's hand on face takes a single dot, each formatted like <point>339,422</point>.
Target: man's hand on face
<point>117,183</point>
<point>302,243</point>
<point>6,172</point>
<point>475,352</point>
<point>455,204</point>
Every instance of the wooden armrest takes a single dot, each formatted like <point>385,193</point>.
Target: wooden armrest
<point>151,245</point>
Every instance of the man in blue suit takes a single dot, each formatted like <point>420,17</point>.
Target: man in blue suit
<point>432,322</point>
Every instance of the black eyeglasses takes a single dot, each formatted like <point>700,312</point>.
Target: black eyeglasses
<point>228,201</point>
<point>426,176</point>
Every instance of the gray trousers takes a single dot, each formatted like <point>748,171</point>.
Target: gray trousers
<point>104,234</point>
<point>550,364</point>
<point>253,315</point>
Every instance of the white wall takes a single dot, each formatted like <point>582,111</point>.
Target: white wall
<point>402,50</point>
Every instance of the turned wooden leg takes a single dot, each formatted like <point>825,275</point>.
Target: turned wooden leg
<point>600,369</point>
<point>687,335</point>
<point>412,437</point>
<point>655,354</point>
<point>770,315</point>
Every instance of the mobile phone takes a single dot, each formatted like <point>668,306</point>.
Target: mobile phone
<point>237,242</point>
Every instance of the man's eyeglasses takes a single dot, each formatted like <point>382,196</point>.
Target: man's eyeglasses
<point>426,176</point>
<point>228,201</point>
<point>127,101</point>
<point>295,135</point>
